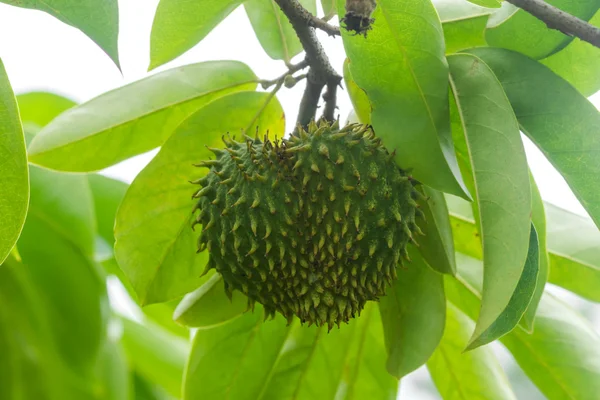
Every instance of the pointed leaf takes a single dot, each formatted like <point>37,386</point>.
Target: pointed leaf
<point>98,20</point>
<point>181,24</point>
<point>208,305</point>
<point>155,243</point>
<point>578,63</point>
<point>14,176</point>
<point>476,374</point>
<point>358,97</point>
<point>403,70</point>
<point>123,126</point>
<point>528,35</point>
<point>273,29</point>
<point>538,219</point>
<point>437,245</point>
<point>501,179</point>
<point>545,105</point>
<point>42,107</point>
<point>413,313</point>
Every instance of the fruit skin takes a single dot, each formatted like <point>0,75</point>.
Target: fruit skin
<point>313,226</point>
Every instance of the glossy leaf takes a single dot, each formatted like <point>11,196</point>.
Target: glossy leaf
<point>528,35</point>
<point>208,305</point>
<point>538,219</point>
<point>403,71</point>
<point>181,24</point>
<point>436,245</point>
<point>156,355</point>
<point>578,63</point>
<point>42,107</point>
<point>501,179</point>
<point>155,243</point>
<point>562,355</point>
<point>245,346</point>
<point>476,374</point>
<point>545,106</point>
<point>98,20</point>
<point>359,99</point>
<point>413,314</point>
<point>519,301</point>
<point>123,126</point>
<point>273,29</point>
<point>14,176</point>
<point>57,246</point>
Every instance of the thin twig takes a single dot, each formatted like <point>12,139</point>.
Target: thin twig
<point>321,73</point>
<point>292,68</point>
<point>556,18</point>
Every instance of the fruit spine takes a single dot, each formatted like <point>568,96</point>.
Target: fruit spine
<point>312,226</point>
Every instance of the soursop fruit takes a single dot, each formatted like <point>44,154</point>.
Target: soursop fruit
<point>313,226</point>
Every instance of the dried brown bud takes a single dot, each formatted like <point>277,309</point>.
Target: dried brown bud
<point>358,16</point>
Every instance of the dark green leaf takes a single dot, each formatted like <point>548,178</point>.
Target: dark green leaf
<point>145,390</point>
<point>403,71</point>
<point>14,176</point>
<point>501,177</point>
<point>42,107</point>
<point>546,107</point>
<point>437,244</point>
<point>273,29</point>
<point>98,20</point>
<point>538,219</point>
<point>155,243</point>
<point>179,25</point>
<point>156,355</point>
<point>473,375</point>
<point>578,63</point>
<point>413,313</point>
<point>57,247</point>
<point>528,35</point>
<point>208,305</point>
<point>123,126</point>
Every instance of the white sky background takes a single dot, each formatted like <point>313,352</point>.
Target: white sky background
<point>41,53</point>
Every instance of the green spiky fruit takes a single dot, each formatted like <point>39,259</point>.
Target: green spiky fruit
<point>312,226</point>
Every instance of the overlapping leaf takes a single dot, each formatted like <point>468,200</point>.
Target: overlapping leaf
<point>155,243</point>
<point>529,35</point>
<point>98,20</point>
<point>464,23</point>
<point>14,176</point>
<point>273,29</point>
<point>403,71</point>
<point>122,126</point>
<point>42,107</point>
<point>501,179</point>
<point>181,24</point>
<point>413,315</point>
<point>547,106</point>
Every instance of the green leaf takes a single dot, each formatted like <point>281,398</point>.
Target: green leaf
<point>123,126</point>
<point>562,355</point>
<point>365,376</point>
<point>57,245</point>
<point>42,107</point>
<point>145,390</point>
<point>545,106</point>
<point>157,355</point>
<point>235,360</point>
<point>208,305</point>
<point>359,99</point>
<point>437,245</point>
<point>473,375</point>
<point>112,374</point>
<point>486,3</point>
<point>528,35</point>
<point>273,29</point>
<point>107,194</point>
<point>403,70</point>
<point>578,63</point>
<point>14,176</point>
<point>181,24</point>
<point>162,314</point>
<point>502,183</point>
<point>413,313</point>
<point>155,243</point>
<point>328,8</point>
<point>463,23</point>
<point>98,20</point>
<point>538,219</point>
